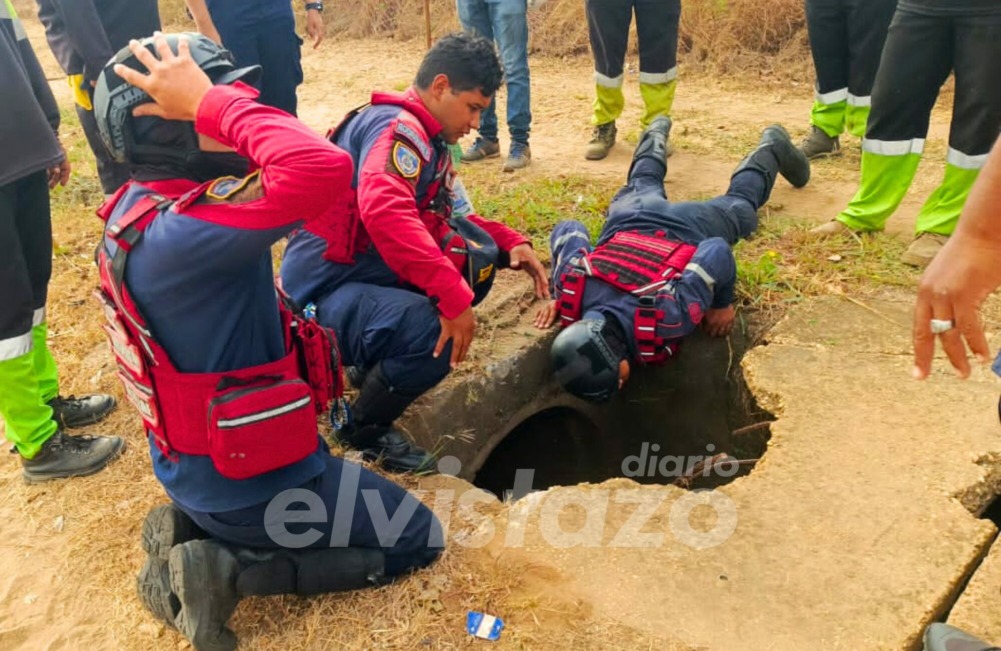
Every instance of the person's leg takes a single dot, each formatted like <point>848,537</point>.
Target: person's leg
<point>657,32</point>
<point>28,378</point>
<point>112,174</point>
<point>826,23</point>
<point>868,22</point>
<point>27,418</point>
<point>916,60</point>
<point>976,118</point>
<point>280,51</point>
<point>510,29</point>
<point>608,32</point>
<point>474,15</point>
<point>390,333</point>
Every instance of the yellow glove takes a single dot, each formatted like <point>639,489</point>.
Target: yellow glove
<point>81,92</point>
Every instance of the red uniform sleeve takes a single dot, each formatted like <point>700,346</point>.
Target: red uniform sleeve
<point>506,237</point>
<point>387,205</point>
<point>303,175</point>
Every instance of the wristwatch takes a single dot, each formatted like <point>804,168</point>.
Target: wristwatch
<point>315,5</point>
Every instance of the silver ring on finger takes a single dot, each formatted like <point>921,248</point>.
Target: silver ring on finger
<point>938,326</point>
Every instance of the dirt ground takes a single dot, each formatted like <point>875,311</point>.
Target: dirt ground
<point>69,550</point>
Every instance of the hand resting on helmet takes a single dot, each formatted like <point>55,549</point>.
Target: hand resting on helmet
<point>175,82</point>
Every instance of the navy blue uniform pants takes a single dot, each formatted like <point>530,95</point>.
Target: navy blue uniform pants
<point>345,506</point>
<point>642,205</point>
<point>376,320</point>
<point>262,32</point>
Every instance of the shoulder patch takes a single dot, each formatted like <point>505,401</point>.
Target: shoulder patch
<point>406,161</point>
<point>230,189</point>
<point>414,139</point>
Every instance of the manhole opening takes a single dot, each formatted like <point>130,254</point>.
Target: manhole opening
<point>694,424</point>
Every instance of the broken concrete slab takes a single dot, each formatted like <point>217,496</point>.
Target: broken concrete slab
<point>850,533</point>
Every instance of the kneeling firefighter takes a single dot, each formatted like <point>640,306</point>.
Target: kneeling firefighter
<point>227,376</point>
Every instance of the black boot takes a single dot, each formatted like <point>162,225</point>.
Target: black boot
<point>64,456</point>
<point>72,412</point>
<point>203,575</point>
<point>372,432</point>
<point>653,143</point>
<point>355,376</point>
<point>308,572</point>
<point>776,146</point>
<point>164,527</point>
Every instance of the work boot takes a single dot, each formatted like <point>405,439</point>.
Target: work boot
<point>923,249</point>
<point>165,527</point>
<point>602,139</point>
<point>203,575</point>
<point>942,637</point>
<point>371,430</point>
<point>355,376</point>
<point>831,229</point>
<point>480,149</point>
<point>518,157</point>
<point>818,144</point>
<point>653,143</point>
<point>71,412</point>
<point>774,146</point>
<point>793,165</point>
<point>64,456</point>
<point>388,447</point>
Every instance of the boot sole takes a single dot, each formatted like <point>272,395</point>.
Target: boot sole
<point>168,530</point>
<point>90,420</point>
<point>38,478</point>
<point>153,588</point>
<point>496,154</point>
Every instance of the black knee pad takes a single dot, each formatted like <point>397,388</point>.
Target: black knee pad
<point>311,571</point>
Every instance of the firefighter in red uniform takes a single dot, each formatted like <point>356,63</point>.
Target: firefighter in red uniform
<point>660,269</point>
<point>396,276</point>
<point>227,376</point>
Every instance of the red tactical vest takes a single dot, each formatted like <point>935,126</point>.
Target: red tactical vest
<point>635,263</point>
<point>250,421</point>
<point>472,250</point>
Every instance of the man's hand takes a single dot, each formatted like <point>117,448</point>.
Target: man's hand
<point>719,320</point>
<point>60,174</point>
<point>953,288</point>
<point>314,26</point>
<point>546,316</point>
<point>460,331</point>
<point>523,257</point>
<point>175,82</point>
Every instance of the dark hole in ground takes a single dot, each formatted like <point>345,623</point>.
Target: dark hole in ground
<point>665,427</point>
<point>993,512</point>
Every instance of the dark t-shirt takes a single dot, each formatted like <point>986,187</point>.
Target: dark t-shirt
<point>951,7</point>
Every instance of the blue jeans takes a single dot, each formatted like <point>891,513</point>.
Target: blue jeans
<point>505,22</point>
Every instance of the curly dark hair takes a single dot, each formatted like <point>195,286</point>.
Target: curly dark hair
<point>470,63</point>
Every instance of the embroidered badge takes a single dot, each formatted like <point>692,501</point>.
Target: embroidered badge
<point>225,187</point>
<point>413,138</point>
<point>406,161</point>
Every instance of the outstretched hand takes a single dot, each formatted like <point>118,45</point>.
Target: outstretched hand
<point>523,257</point>
<point>175,82</point>
<point>546,315</point>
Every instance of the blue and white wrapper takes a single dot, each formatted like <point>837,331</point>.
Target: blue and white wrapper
<point>484,626</point>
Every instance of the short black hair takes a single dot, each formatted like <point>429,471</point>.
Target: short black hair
<point>470,63</point>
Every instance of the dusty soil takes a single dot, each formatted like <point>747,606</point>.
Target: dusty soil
<point>69,550</point>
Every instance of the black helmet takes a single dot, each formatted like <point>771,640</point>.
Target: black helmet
<point>151,140</point>
<point>586,357</point>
